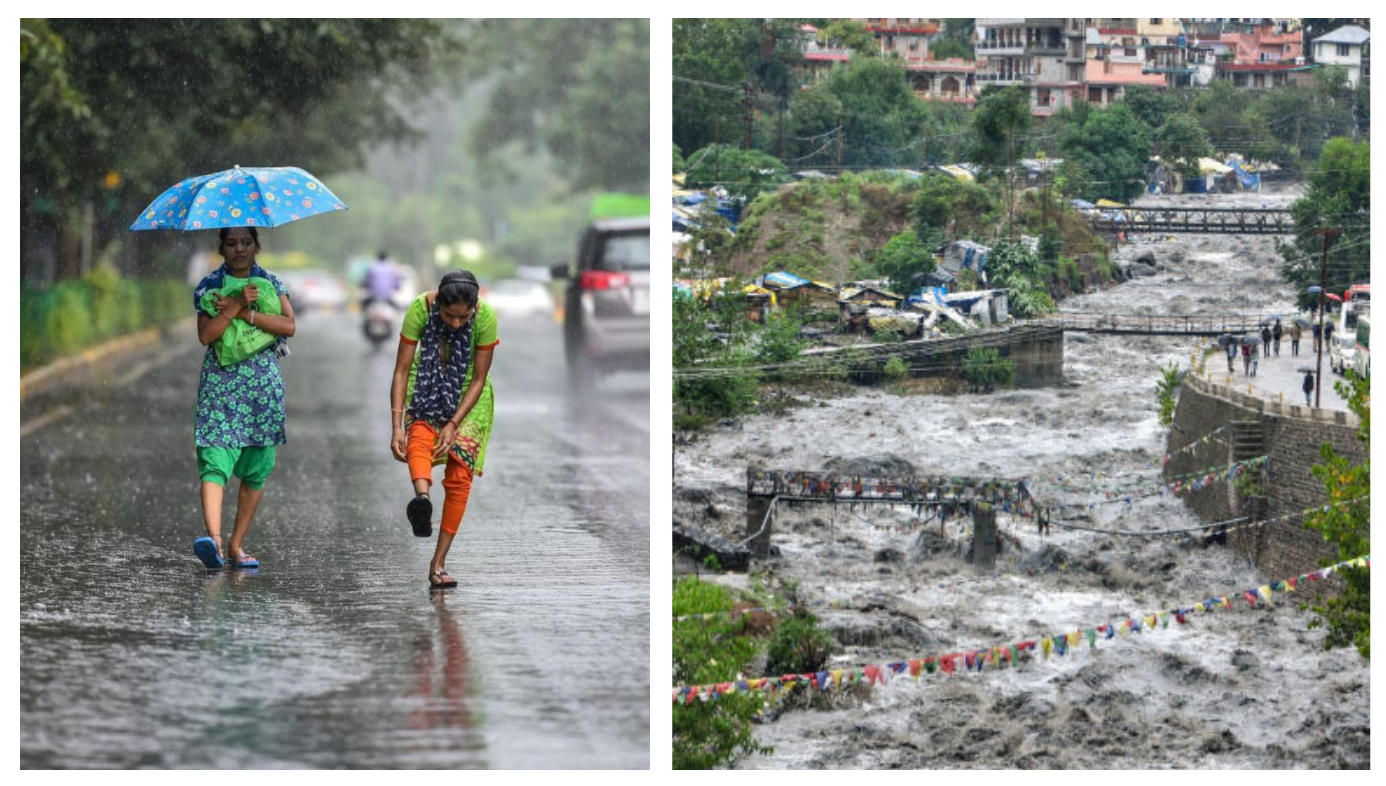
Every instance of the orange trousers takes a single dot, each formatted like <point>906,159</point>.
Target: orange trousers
<point>457,477</point>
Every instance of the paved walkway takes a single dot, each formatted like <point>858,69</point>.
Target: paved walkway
<point>1277,375</point>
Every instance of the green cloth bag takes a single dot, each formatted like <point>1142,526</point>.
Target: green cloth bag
<point>242,339</point>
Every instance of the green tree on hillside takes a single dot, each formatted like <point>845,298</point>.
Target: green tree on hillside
<point>904,261</point>
<point>1346,524</point>
<point>743,173</point>
<point>1182,141</point>
<point>1113,148</point>
<point>846,34</point>
<point>1339,195</point>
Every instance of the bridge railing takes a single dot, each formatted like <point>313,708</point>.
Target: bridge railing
<point>1191,324</point>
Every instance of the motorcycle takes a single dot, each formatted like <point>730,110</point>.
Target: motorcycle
<point>380,322</point>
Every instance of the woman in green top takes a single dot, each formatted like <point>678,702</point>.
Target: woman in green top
<point>441,403</point>
<point>239,421</point>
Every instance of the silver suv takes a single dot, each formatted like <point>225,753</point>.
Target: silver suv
<point>606,309</point>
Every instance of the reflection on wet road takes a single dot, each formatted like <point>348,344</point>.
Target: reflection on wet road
<point>334,654</point>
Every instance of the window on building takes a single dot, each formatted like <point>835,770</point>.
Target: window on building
<point>1342,50</point>
<point>1129,52</point>
<point>1156,21</point>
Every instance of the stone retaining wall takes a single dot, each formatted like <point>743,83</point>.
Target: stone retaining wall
<point>1292,436</point>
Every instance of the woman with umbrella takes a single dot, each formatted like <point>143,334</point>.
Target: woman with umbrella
<point>240,407</point>
<point>441,404</point>
<point>239,423</point>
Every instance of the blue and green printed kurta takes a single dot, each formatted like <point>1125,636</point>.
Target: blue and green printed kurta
<point>240,405</point>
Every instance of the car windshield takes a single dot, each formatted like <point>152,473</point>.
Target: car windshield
<point>629,251</point>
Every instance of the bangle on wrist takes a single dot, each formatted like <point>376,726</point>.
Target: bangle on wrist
<point>252,316</point>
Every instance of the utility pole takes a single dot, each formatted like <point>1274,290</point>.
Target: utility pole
<point>747,109</point>
<point>1328,235</point>
<point>839,147</point>
<point>779,149</point>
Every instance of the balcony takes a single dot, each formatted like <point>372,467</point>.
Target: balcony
<point>997,48</point>
<point>1006,79</point>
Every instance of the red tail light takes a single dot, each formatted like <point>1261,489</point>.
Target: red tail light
<point>602,279</point>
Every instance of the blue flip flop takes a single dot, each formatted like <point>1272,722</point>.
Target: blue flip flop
<point>245,564</point>
<point>206,550</point>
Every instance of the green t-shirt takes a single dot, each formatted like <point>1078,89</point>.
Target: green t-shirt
<point>484,336</point>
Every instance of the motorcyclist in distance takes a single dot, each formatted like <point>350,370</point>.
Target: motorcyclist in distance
<point>381,281</point>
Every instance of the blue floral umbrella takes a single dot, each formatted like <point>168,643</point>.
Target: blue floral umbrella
<point>240,197</point>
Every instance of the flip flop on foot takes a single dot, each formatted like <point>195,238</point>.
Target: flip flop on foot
<point>209,552</point>
<point>420,512</point>
<point>243,561</point>
<point>439,579</point>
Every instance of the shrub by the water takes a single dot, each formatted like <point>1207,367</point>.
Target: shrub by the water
<point>799,646</point>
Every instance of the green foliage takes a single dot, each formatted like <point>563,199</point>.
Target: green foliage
<point>887,337</point>
<point>745,173</point>
<point>846,34</point>
<point>70,316</point>
<point>798,645</point>
<point>1181,139</point>
<point>595,114</point>
<point>895,368</point>
<point>679,163</point>
<point>942,201</point>
<point>694,345</point>
<point>1165,392</point>
<point>1346,525</point>
<point>985,369</point>
<point>945,48</point>
<point>905,261</point>
<point>1113,147</point>
<point>729,52</point>
<point>1001,117</point>
<point>711,734</point>
<point>1339,195</point>
<point>1015,266</point>
<point>778,339</point>
<point>150,101</point>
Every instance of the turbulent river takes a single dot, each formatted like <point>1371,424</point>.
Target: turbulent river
<point>1245,688</point>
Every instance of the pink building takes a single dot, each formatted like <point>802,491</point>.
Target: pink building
<point>1107,80</point>
<point>951,80</point>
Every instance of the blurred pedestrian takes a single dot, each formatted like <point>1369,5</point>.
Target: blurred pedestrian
<point>1276,332</point>
<point>1308,388</point>
<point>1295,333</point>
<point>1231,355</point>
<point>1316,337</point>
<point>1265,340</point>
<point>239,421</point>
<point>1246,359</point>
<point>441,404</point>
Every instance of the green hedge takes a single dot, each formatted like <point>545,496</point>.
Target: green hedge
<point>70,316</point>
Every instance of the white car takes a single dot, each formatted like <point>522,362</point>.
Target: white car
<point>514,297</point>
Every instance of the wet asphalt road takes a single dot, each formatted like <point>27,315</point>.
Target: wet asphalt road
<point>335,654</point>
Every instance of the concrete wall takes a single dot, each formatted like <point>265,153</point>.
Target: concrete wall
<point>1292,436</point>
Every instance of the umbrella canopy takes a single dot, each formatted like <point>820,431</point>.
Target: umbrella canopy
<point>239,197</point>
<point>1251,340</point>
<point>1225,339</point>
<point>1306,370</point>
<point>1302,322</point>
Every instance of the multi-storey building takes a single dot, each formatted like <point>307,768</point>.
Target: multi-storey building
<point>1342,47</point>
<point>1031,53</point>
<point>907,39</point>
<point>1264,57</point>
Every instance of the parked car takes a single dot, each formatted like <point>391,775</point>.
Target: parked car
<point>606,320</point>
<point>314,289</point>
<point>514,297</point>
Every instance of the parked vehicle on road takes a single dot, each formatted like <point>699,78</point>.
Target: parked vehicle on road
<point>514,297</point>
<point>606,324</point>
<point>314,290</point>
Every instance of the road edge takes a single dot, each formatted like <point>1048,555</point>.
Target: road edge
<point>63,369</point>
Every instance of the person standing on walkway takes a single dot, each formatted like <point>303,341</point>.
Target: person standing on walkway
<point>1276,332</point>
<point>1246,359</point>
<point>1295,333</point>
<point>1308,388</point>
<point>1328,335</point>
<point>239,421</point>
<point>1231,355</point>
<point>1316,337</point>
<point>1265,340</point>
<point>442,404</point>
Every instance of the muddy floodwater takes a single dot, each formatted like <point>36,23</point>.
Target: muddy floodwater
<point>1240,689</point>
